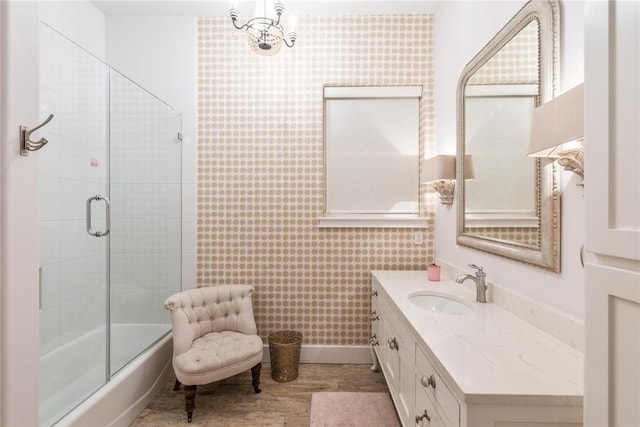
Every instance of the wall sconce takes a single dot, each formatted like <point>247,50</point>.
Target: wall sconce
<point>557,131</point>
<point>441,170</point>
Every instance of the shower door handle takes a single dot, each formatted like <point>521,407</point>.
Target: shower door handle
<point>107,203</point>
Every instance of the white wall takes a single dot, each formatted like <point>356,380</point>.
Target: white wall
<point>159,53</point>
<point>19,220</point>
<point>462,29</point>
<point>18,217</point>
<point>79,21</point>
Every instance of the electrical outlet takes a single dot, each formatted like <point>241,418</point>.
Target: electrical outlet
<point>418,238</point>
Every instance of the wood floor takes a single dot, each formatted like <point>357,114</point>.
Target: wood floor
<point>232,402</point>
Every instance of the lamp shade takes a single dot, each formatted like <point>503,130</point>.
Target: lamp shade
<point>439,167</point>
<point>443,166</point>
<point>557,122</point>
<point>469,172</point>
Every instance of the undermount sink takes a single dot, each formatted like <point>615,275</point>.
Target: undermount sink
<point>439,304</point>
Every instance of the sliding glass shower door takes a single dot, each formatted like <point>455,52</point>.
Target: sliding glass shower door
<point>146,241</point>
<point>72,169</point>
<point>110,222</point>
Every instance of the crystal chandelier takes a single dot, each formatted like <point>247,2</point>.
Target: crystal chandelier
<point>265,35</point>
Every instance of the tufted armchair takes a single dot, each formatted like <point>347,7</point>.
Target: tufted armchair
<point>214,337</point>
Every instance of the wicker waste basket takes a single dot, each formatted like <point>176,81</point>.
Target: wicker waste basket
<point>284,352</point>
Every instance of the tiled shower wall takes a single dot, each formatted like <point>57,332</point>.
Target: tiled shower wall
<point>73,87</point>
<point>260,170</point>
<point>109,137</point>
<point>145,178</point>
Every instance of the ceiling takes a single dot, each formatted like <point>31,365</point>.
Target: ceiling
<point>297,7</point>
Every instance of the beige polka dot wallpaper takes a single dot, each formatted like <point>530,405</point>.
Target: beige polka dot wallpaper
<point>524,236</point>
<point>260,169</point>
<point>517,62</point>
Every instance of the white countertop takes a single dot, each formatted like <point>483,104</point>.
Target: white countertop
<point>489,355</point>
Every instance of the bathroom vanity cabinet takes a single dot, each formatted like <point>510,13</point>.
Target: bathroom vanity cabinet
<point>483,368</point>
<point>393,356</point>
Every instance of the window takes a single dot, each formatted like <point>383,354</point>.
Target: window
<point>372,143</point>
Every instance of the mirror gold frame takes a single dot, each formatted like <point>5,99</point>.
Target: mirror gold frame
<point>546,253</point>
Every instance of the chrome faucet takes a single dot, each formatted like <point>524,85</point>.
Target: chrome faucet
<point>481,287</point>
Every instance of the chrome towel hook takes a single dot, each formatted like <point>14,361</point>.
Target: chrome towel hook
<point>26,144</point>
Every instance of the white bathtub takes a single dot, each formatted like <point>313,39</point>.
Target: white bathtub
<point>67,371</point>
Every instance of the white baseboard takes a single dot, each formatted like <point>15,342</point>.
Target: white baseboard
<point>336,354</point>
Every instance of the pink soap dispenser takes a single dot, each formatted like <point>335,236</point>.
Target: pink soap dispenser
<point>433,272</point>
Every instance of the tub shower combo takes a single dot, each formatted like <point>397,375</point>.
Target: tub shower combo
<point>110,223</point>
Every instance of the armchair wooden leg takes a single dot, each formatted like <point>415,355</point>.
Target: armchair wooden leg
<point>255,375</point>
<point>176,386</point>
<point>189,400</point>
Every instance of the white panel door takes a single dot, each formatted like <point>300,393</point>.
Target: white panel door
<point>612,192</point>
<point>612,377</point>
<point>612,127</point>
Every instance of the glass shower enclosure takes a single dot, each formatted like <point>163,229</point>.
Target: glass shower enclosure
<point>110,222</point>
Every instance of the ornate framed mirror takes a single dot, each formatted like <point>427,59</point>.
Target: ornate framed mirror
<point>511,207</point>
